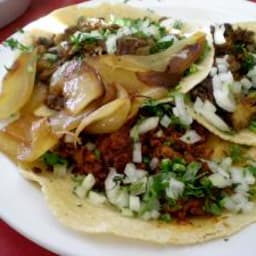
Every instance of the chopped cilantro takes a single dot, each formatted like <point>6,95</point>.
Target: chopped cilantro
<point>77,40</point>
<point>78,179</point>
<point>14,44</point>
<point>252,126</point>
<point>177,167</point>
<point>152,107</point>
<point>160,46</point>
<point>213,208</point>
<point>191,70</point>
<point>146,160</point>
<point>166,165</point>
<point>97,154</point>
<point>205,52</point>
<point>192,170</point>
<point>252,170</point>
<point>192,190</point>
<point>137,188</point>
<point>52,158</point>
<point>118,178</point>
<point>248,63</point>
<point>235,153</point>
<point>165,217</point>
<point>206,183</point>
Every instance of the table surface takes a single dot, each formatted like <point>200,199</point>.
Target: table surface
<point>12,243</point>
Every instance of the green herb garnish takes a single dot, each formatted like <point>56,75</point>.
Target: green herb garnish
<point>252,126</point>
<point>97,154</point>
<point>160,46</point>
<point>52,158</point>
<point>14,44</point>
<point>236,153</point>
<point>248,63</point>
<point>213,208</point>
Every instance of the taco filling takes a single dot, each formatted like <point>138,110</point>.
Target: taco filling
<point>160,165</point>
<point>226,98</point>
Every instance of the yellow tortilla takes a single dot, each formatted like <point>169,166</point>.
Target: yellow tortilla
<point>243,137</point>
<point>83,216</point>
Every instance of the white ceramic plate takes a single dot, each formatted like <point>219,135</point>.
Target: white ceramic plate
<point>22,204</point>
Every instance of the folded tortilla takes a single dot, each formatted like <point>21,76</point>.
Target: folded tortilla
<point>244,136</point>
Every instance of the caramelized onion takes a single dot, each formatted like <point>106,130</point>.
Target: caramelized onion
<point>109,117</point>
<point>18,84</point>
<point>79,84</point>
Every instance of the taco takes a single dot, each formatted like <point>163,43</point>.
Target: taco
<point>162,177</point>
<point>225,101</point>
<point>106,164</point>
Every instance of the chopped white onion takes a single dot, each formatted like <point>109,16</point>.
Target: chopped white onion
<point>175,188</point>
<point>246,83</point>
<point>90,146</point>
<point>89,181</point>
<point>165,121</point>
<point>148,124</point>
<point>110,183</point>
<point>236,87</point>
<point>190,137</point>
<point>237,202</point>
<point>222,92</point>
<point>222,68</point>
<point>252,73</point>
<point>122,199</point>
<point>137,153</point>
<point>132,174</point>
<point>134,203</point>
<point>96,198</point>
<point>87,184</point>
<point>60,170</point>
<point>219,180</point>
<point>150,215</point>
<point>207,112</point>
<point>68,138</point>
<point>159,134</point>
<point>154,163</point>
<point>180,110</point>
<point>219,34</point>
<point>221,168</point>
<point>213,71</point>
<point>248,177</point>
<point>111,44</point>
<point>236,175</point>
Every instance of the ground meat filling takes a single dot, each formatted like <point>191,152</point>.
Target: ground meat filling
<point>170,146</point>
<point>116,149</point>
